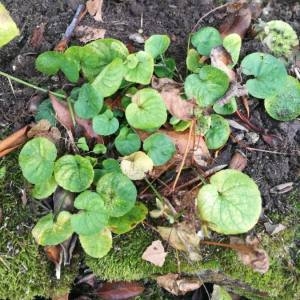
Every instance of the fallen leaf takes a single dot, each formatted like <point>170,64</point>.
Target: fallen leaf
<point>273,229</point>
<point>155,253</point>
<point>176,285</point>
<point>68,247</point>
<point>119,290</point>
<point>86,33</point>
<point>238,161</point>
<point>94,8</point>
<point>43,128</point>
<point>282,188</point>
<point>55,254</point>
<point>170,92</point>
<point>88,130</point>
<point>37,37</point>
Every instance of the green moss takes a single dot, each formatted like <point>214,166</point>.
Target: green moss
<point>25,271</point>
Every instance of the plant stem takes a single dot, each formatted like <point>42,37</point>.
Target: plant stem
<point>30,85</point>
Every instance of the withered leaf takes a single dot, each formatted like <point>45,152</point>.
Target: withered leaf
<point>86,33</point>
<point>238,161</point>
<point>37,37</point>
<point>155,253</point>
<point>55,255</point>
<point>94,8</point>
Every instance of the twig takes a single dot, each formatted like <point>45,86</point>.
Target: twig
<point>297,153</point>
<point>235,90</point>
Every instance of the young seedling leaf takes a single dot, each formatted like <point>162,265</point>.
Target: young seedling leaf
<point>106,123</point>
<point>89,102</point>
<point>207,86</point>
<point>92,217</point>
<point>157,45</point>
<point>232,43</point>
<point>136,165</point>
<point>99,149</point>
<point>193,63</point>
<point>226,109</point>
<point>230,204</point>
<point>118,193</point>
<point>44,189</point>
<point>36,160</point>
<point>74,173</point>
<point>48,231</point>
<point>160,148</point>
<point>269,72</point>
<point>285,106</point>
<point>129,221</point>
<point>147,110</point>
<point>205,39</point>
<point>82,144</point>
<point>127,141</point>
<point>49,62</point>
<point>97,245</point>
<point>139,67</point>
<point>218,133</point>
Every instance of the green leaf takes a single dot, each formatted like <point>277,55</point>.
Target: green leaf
<point>160,148</point>
<point>110,78</point>
<point>99,149</point>
<point>89,102</point>
<point>45,111</point>
<point>44,189</point>
<point>165,68</point>
<point>8,28</point>
<point>226,109</point>
<point>207,86</point>
<point>106,123</point>
<point>232,43</point>
<point>219,293</point>
<point>92,217</point>
<point>130,220</point>
<point>218,133</point>
<point>203,124</point>
<point>74,173</point>
<point>50,232</point>
<point>205,39</point>
<point>193,63</point>
<point>147,110</point>
<point>36,160</point>
<point>157,45</point>
<point>118,192</point>
<point>110,165</point>
<point>139,67</point>
<point>127,141</point>
<point>82,144</point>
<point>70,68</point>
<point>49,62</point>
<point>230,204</point>
<point>269,72</point>
<point>97,245</point>
<point>2,172</point>
<point>285,106</point>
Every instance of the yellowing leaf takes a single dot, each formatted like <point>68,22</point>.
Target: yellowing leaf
<point>155,254</point>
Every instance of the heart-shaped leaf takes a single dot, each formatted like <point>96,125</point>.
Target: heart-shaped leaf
<point>160,148</point>
<point>106,123</point>
<point>36,160</point>
<point>232,43</point>
<point>130,220</point>
<point>127,141</point>
<point>147,110</point>
<point>139,67</point>
<point>118,193</point>
<point>74,173</point>
<point>230,204</point>
<point>269,72</point>
<point>97,245</point>
<point>44,189</point>
<point>207,86</point>
<point>193,63</point>
<point>92,217</point>
<point>48,231</point>
<point>285,105</point>
<point>157,45</point>
<point>226,109</point>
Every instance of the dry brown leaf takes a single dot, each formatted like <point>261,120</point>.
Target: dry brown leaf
<point>155,253</point>
<point>94,8</point>
<point>88,130</point>
<point>44,129</point>
<point>55,254</point>
<point>37,37</point>
<point>86,34</point>
<point>170,92</point>
<point>238,161</point>
<point>178,286</point>
<point>273,229</point>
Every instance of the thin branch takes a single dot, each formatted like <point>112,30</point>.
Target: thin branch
<point>235,90</point>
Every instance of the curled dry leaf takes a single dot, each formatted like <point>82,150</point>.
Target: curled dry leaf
<point>94,8</point>
<point>86,34</point>
<point>282,188</point>
<point>55,254</point>
<point>155,253</point>
<point>273,229</point>
<point>238,161</point>
<point>250,254</point>
<point>170,92</point>
<point>178,286</point>
<point>37,37</point>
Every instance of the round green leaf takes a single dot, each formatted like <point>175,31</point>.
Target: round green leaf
<point>44,189</point>
<point>128,221</point>
<point>97,245</point>
<point>218,133</point>
<point>70,68</point>
<point>127,141</point>
<point>232,43</point>
<point>165,68</point>
<point>285,106</point>
<point>110,78</point>
<point>157,45</point>
<point>230,204</point>
<point>205,39</point>
<point>92,217</point>
<point>50,232</point>
<point>147,110</point>
<point>269,72</point>
<point>36,160</point>
<point>74,173</point>
<point>99,149</point>
<point>49,62</point>
<point>118,192</point>
<point>226,109</point>
<point>139,67</point>
<point>106,123</point>
<point>89,102</point>
<point>207,86</point>
<point>193,63</point>
<point>160,148</point>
